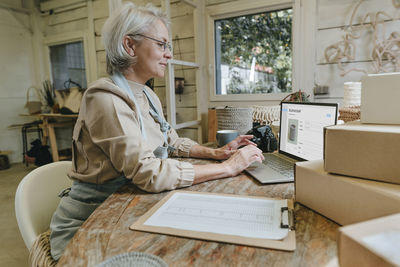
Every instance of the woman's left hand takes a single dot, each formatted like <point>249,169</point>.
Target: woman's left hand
<point>229,149</point>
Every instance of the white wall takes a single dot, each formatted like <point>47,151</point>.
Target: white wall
<point>332,17</point>
<point>16,76</point>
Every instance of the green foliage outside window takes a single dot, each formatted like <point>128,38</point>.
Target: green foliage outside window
<point>265,38</point>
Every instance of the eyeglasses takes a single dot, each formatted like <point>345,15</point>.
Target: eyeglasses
<point>163,45</point>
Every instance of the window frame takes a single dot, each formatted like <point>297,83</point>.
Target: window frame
<point>234,9</point>
<point>66,39</point>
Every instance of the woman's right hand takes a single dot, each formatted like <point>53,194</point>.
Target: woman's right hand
<point>242,159</point>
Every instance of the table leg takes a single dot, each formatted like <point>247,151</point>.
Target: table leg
<point>24,144</point>
<point>212,125</point>
<point>45,127</point>
<point>53,143</point>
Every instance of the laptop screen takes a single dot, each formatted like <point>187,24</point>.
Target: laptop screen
<point>302,128</point>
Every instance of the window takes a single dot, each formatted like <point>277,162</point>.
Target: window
<point>68,65</point>
<point>253,53</point>
<point>251,48</point>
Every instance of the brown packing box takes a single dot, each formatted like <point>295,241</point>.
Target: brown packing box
<point>369,151</point>
<point>343,199</point>
<point>371,243</point>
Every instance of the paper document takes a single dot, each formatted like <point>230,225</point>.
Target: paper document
<point>240,216</point>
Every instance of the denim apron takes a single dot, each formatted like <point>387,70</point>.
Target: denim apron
<point>79,201</point>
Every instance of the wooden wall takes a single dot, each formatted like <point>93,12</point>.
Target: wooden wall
<point>183,41</point>
<point>17,75</point>
<point>182,33</point>
<point>78,16</point>
<point>66,17</point>
<point>332,17</point>
<point>102,14</point>
<point>71,19</point>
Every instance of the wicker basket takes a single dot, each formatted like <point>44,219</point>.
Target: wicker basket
<point>266,114</point>
<point>350,113</point>
<point>230,118</point>
<point>39,254</point>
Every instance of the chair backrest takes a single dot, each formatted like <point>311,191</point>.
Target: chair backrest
<point>37,198</point>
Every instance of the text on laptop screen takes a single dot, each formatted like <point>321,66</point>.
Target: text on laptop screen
<point>301,130</point>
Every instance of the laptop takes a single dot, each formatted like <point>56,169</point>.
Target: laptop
<point>300,138</point>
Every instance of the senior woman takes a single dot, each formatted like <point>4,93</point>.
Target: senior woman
<point>121,135</point>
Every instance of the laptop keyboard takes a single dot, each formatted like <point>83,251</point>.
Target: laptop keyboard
<point>278,164</point>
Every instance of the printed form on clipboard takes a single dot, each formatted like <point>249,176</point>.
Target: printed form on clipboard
<point>243,220</point>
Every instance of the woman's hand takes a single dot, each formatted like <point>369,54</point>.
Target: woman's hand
<point>242,159</point>
<point>229,149</point>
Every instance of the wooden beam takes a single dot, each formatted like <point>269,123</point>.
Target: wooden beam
<point>212,125</point>
<point>186,124</point>
<point>79,13</point>
<point>183,63</point>
<point>189,2</point>
<point>16,9</point>
<point>55,4</point>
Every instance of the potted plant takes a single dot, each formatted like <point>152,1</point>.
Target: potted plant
<point>48,95</point>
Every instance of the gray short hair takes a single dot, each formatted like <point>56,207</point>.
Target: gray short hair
<point>127,19</point>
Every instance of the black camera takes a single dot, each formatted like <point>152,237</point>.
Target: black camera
<point>264,138</point>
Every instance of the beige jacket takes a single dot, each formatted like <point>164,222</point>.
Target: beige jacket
<point>107,141</point>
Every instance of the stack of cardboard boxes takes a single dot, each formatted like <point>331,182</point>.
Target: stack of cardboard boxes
<point>359,178</point>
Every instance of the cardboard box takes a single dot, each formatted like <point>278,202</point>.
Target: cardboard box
<point>379,98</point>
<point>371,243</point>
<point>369,151</point>
<point>343,199</point>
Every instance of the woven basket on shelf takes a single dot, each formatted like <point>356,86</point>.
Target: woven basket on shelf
<point>232,118</point>
<point>349,113</point>
<point>266,114</point>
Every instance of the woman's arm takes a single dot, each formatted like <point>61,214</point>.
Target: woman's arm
<point>239,161</point>
<point>198,151</point>
<point>116,144</point>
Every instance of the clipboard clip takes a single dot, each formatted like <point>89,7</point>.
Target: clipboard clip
<point>290,218</point>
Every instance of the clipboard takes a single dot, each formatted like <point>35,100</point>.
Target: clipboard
<point>286,244</point>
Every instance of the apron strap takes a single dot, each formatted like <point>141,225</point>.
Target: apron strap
<point>121,82</point>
